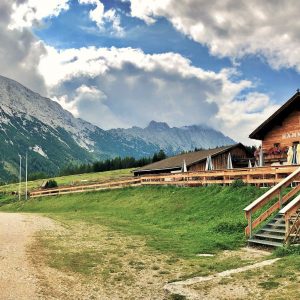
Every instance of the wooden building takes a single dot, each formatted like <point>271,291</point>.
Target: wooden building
<point>280,133</point>
<point>196,161</point>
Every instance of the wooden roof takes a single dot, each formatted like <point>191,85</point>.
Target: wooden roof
<point>277,118</point>
<point>175,162</point>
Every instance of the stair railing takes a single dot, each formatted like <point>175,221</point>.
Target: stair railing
<point>275,191</point>
<point>291,214</point>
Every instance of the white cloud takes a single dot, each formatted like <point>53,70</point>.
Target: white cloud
<point>27,13</point>
<point>20,52</point>
<point>101,17</point>
<point>234,28</point>
<point>148,10</point>
<point>96,14</point>
<point>123,87</point>
<point>89,103</point>
<point>240,117</point>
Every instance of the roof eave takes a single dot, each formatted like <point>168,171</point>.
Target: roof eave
<point>151,170</point>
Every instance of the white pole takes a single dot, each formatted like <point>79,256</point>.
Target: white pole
<point>26,176</point>
<point>20,177</point>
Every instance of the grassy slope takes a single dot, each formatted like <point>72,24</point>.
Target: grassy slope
<point>177,222</point>
<point>183,221</point>
<point>72,179</point>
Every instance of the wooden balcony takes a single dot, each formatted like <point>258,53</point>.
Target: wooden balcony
<point>272,158</point>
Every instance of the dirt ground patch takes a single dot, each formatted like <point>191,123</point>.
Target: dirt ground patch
<point>44,259</point>
<point>18,279</point>
<point>94,262</point>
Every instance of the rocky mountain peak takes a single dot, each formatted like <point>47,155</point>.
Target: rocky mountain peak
<point>158,125</point>
<point>53,137</point>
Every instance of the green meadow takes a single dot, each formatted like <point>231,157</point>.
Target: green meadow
<point>70,180</point>
<point>117,238</point>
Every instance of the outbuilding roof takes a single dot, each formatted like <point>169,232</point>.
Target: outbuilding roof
<point>276,119</point>
<point>175,162</point>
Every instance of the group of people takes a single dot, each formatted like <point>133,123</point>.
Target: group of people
<point>293,155</point>
<point>292,152</point>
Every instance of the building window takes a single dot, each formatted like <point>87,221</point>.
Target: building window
<point>276,145</point>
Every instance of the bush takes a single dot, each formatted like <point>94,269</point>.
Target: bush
<point>51,184</point>
<point>288,250</point>
<point>238,184</point>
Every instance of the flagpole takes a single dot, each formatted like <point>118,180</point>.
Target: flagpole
<point>20,177</point>
<point>26,177</point>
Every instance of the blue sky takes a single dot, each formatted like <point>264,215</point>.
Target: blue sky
<point>160,37</point>
<point>123,63</point>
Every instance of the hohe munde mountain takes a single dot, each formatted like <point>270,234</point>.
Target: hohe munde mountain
<point>53,137</point>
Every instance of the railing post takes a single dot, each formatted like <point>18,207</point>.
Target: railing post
<point>280,198</point>
<point>250,224</point>
<point>287,230</point>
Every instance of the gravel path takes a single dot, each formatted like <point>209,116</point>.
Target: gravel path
<point>181,287</point>
<point>17,277</point>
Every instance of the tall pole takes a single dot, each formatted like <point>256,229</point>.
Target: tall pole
<point>20,177</point>
<point>26,176</point>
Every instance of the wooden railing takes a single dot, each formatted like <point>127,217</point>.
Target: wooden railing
<point>274,192</point>
<point>86,188</point>
<point>256,176</point>
<point>291,214</point>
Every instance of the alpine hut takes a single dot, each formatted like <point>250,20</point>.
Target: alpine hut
<point>196,161</point>
<point>280,134</point>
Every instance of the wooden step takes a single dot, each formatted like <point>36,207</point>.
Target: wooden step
<point>278,220</point>
<point>273,230</point>
<point>265,242</point>
<point>276,225</point>
<point>269,236</point>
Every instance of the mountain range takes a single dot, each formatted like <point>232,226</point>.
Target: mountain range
<point>53,137</point>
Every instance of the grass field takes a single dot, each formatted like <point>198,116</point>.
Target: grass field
<point>137,238</point>
<point>185,221</point>
<point>71,180</point>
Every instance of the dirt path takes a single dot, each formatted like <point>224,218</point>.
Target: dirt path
<point>181,287</point>
<point>17,277</point>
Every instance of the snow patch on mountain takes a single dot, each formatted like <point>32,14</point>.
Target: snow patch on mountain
<point>39,150</point>
<point>17,100</point>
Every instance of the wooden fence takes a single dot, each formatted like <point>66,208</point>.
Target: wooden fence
<point>257,176</point>
<point>86,188</point>
<point>260,176</point>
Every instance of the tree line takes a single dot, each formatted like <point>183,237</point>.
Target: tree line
<point>116,163</point>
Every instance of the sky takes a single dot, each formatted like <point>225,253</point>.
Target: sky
<point>223,63</point>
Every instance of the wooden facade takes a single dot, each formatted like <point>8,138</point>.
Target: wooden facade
<point>238,157</point>
<point>280,132</point>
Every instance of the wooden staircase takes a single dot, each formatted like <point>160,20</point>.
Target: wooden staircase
<point>272,234</point>
<point>284,227</point>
